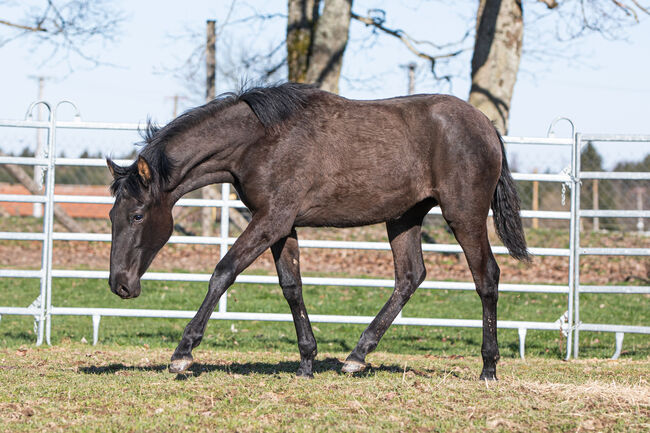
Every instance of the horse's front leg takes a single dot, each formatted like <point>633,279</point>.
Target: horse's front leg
<point>262,232</point>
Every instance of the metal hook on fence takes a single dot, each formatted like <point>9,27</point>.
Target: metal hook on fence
<point>77,113</point>
<point>28,114</point>
<point>551,132</point>
<point>567,170</point>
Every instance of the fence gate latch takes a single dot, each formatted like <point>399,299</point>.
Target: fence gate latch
<point>36,305</point>
<point>563,324</point>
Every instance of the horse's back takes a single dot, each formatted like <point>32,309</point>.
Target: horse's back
<point>373,160</point>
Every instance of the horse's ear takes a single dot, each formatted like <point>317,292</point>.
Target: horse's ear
<point>144,171</point>
<point>111,167</point>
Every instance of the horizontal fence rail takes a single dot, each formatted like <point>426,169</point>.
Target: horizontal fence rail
<point>571,177</point>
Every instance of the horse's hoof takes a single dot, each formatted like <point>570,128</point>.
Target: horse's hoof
<point>351,366</point>
<point>489,376</point>
<point>180,365</point>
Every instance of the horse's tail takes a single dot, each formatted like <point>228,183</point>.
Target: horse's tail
<point>505,211</point>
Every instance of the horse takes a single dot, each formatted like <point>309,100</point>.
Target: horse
<point>299,156</point>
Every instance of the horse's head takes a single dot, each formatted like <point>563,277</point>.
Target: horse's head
<point>141,221</point>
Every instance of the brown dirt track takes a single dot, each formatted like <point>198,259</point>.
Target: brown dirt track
<point>377,264</point>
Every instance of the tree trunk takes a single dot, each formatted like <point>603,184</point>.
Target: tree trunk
<point>303,15</point>
<point>497,53</point>
<point>330,40</point>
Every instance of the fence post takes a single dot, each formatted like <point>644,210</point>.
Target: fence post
<point>640,192</point>
<point>575,213</point>
<point>47,237</point>
<point>535,222</point>
<point>575,155</point>
<point>48,221</point>
<point>594,198</point>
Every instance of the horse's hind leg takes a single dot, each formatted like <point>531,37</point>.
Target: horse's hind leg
<point>470,229</point>
<point>404,236</point>
<point>287,264</point>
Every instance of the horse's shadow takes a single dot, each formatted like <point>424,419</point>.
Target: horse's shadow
<point>267,368</point>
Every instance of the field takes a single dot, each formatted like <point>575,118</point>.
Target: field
<point>421,378</point>
<point>72,387</point>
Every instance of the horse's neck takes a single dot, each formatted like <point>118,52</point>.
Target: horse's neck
<point>209,152</point>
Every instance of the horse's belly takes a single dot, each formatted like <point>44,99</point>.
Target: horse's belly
<point>351,211</point>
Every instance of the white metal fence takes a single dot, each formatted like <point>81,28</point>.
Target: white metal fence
<point>42,309</point>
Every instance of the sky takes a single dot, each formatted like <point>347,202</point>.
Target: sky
<point>603,87</point>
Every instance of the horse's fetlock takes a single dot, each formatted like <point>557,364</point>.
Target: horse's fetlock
<point>308,348</point>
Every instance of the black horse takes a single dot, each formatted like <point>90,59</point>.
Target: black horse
<point>299,156</point>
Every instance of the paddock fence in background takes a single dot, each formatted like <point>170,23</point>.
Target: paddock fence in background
<point>569,179</point>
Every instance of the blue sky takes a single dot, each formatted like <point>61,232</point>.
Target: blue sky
<point>604,88</point>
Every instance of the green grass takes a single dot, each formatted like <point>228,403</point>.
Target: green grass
<point>75,388</point>
<point>420,378</point>
<point>254,335</point>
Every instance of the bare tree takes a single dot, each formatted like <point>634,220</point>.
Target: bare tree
<point>65,27</point>
<point>376,19</point>
<point>301,23</point>
<point>316,42</point>
<point>497,54</point>
<point>328,46</point>
<point>499,39</point>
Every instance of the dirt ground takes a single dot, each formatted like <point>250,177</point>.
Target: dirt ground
<point>317,261</point>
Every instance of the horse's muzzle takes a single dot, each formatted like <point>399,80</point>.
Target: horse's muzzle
<point>125,291</point>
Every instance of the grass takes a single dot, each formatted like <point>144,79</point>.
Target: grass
<point>421,378</point>
<point>76,388</point>
<point>253,335</point>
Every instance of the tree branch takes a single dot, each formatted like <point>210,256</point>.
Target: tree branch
<point>409,42</point>
<point>629,9</point>
<point>551,4</point>
<point>643,8</point>
<point>24,27</point>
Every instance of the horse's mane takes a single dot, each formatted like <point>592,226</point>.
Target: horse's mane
<point>271,104</point>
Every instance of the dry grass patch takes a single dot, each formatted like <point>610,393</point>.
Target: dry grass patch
<point>108,388</point>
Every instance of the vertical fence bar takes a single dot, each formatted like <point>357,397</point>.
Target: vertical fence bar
<point>47,238</point>
<point>576,246</point>
<point>595,198</point>
<point>48,221</point>
<point>535,222</point>
<point>225,231</point>
<point>572,244</point>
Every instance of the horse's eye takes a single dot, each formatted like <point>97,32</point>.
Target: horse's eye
<point>137,217</point>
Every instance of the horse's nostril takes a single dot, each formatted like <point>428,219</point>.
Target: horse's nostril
<point>122,291</point>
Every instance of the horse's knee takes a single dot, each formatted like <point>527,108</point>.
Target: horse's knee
<point>223,276</point>
<point>292,291</point>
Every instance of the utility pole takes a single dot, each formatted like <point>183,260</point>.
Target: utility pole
<point>175,98</point>
<point>210,84</point>
<point>211,61</point>
<point>410,68</point>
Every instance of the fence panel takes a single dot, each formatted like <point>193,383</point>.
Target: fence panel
<point>613,200</point>
<point>553,197</point>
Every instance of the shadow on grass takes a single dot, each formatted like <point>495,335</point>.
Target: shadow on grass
<point>248,368</point>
